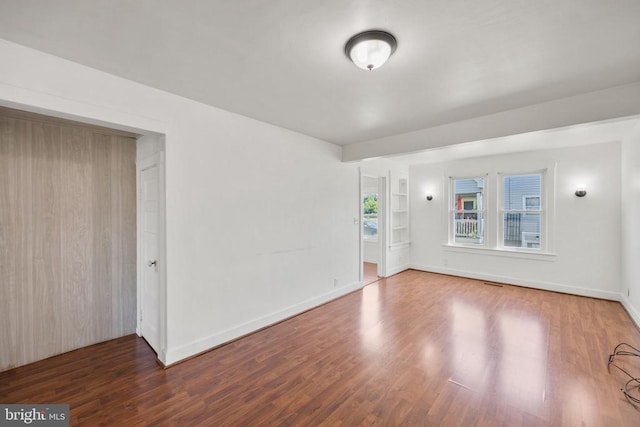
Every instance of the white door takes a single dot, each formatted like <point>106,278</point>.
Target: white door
<point>149,221</point>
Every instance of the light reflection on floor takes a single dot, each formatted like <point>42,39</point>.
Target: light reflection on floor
<point>501,353</point>
<point>370,326</point>
<point>521,362</point>
<point>469,346</point>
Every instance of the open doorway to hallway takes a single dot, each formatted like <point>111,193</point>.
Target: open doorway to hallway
<point>371,230</point>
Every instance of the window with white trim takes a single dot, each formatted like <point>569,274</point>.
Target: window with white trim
<point>467,211</point>
<point>521,214</point>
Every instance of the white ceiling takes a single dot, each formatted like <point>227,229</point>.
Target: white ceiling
<point>282,61</point>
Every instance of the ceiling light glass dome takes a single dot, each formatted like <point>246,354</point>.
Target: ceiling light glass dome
<point>370,49</point>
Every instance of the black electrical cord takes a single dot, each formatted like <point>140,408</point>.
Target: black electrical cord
<point>636,380</point>
<point>616,352</point>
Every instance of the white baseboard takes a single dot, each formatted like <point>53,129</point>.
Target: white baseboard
<point>547,286</point>
<point>185,351</point>
<point>371,260</point>
<point>633,313</point>
<point>397,270</point>
<point>174,355</point>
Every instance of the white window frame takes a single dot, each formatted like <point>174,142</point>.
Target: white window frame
<point>493,229</point>
<point>481,214</point>
<point>542,211</point>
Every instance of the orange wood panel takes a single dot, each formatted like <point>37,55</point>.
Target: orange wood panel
<point>67,236</point>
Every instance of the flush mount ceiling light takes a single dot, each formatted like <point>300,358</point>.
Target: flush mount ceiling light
<point>370,49</point>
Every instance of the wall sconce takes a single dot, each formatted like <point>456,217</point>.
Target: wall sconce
<point>429,197</point>
<point>581,190</point>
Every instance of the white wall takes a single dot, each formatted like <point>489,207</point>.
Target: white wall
<point>260,220</point>
<point>630,288</point>
<point>370,250</point>
<point>586,259</point>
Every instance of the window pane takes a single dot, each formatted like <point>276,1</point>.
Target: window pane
<point>370,215</point>
<point>521,192</point>
<point>467,194</point>
<point>468,228</point>
<point>521,230</point>
<point>467,211</point>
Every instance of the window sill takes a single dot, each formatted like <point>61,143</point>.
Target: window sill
<point>370,239</point>
<point>509,253</point>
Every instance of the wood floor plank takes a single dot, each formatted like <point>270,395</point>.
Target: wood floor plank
<point>414,349</point>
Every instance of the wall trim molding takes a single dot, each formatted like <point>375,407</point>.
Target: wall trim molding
<point>399,269</point>
<point>545,286</point>
<point>196,347</point>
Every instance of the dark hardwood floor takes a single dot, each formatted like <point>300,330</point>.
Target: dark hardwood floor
<point>414,349</point>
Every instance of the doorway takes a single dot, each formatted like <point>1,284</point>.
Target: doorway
<point>85,180</point>
<point>67,235</point>
<point>372,230</point>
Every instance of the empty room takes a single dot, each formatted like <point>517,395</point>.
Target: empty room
<point>338,213</point>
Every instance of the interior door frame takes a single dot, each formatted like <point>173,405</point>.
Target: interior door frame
<point>157,159</point>
<point>382,223</point>
<point>57,107</point>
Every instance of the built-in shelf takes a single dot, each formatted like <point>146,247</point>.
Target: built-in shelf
<point>399,211</point>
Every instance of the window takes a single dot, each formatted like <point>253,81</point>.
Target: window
<point>522,213</point>
<point>509,214</point>
<point>467,211</point>
<point>370,215</point>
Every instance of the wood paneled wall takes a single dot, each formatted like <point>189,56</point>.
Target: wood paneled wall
<point>67,237</point>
